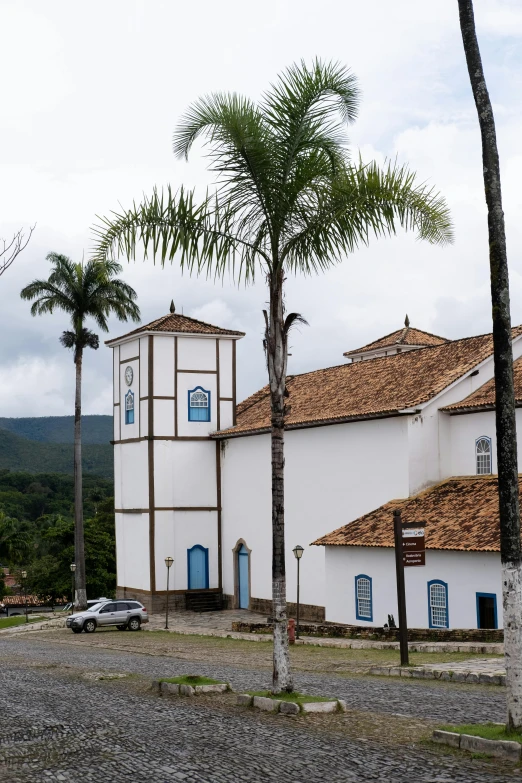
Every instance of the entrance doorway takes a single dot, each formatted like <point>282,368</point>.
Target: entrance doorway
<point>242,573</point>
<point>197,563</point>
<point>486,610</point>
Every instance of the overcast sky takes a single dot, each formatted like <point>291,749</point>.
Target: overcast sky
<point>91,92</point>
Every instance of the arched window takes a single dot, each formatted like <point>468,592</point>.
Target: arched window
<point>483,455</point>
<point>438,604</point>
<point>363,598</point>
<point>129,408</point>
<point>198,404</point>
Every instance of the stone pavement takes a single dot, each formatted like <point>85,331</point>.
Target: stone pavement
<point>56,725</point>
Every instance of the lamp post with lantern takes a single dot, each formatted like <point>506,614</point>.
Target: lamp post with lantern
<point>73,569</point>
<point>298,553</point>
<point>168,563</point>
<point>23,574</point>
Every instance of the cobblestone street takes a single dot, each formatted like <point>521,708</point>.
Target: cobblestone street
<point>59,723</point>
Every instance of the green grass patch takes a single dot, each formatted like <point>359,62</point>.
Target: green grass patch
<point>492,731</point>
<point>297,698</point>
<point>191,679</point>
<point>10,622</point>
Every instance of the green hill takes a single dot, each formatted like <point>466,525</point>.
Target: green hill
<point>33,456</point>
<point>60,429</point>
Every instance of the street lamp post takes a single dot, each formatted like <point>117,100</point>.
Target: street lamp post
<point>23,574</point>
<point>298,553</point>
<point>73,569</point>
<point>168,563</point>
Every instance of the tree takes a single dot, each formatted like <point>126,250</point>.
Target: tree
<point>90,290</point>
<point>289,200</point>
<point>10,249</point>
<point>509,510</point>
<point>14,539</point>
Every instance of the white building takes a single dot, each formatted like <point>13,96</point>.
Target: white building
<point>192,474</point>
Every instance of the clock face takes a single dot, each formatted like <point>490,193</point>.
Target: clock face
<point>129,375</point>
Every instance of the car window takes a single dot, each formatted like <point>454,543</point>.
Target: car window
<point>93,608</point>
<point>123,607</point>
<point>108,608</point>
<point>134,605</point>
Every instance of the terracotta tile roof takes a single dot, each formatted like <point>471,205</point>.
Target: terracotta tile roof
<point>405,336</point>
<point>485,396</point>
<point>458,514</point>
<point>383,386</point>
<point>174,322</point>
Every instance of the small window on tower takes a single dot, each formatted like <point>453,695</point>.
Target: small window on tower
<point>199,404</point>
<point>129,408</point>
<point>483,456</point>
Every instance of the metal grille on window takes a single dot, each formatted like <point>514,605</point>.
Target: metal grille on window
<point>129,408</point>
<point>364,598</point>
<point>483,454</point>
<point>199,404</point>
<point>438,606</point>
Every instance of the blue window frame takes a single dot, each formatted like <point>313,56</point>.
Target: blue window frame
<point>363,598</point>
<point>438,604</point>
<point>492,607</point>
<point>483,455</point>
<point>129,407</point>
<point>198,404</point>
<point>197,567</point>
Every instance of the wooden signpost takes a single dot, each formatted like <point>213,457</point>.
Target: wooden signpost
<point>410,550</point>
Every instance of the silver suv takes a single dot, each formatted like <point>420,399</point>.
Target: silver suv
<point>125,615</point>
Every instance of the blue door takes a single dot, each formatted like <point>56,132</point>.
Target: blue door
<point>197,562</point>
<point>242,569</point>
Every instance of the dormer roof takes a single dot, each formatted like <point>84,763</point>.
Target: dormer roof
<point>484,397</point>
<point>408,337</point>
<point>174,323</point>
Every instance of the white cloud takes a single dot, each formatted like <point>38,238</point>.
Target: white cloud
<point>93,95</point>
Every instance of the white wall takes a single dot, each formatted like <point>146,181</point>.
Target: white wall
<point>131,475</point>
<point>164,412</point>
<point>225,368</point>
<point>332,475</point>
<point>163,366</point>
<point>466,573</point>
<point>185,473</point>
<point>132,551</point>
<point>175,533</point>
<point>197,353</point>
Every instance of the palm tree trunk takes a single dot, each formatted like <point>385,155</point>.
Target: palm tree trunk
<point>276,360</point>
<point>510,549</point>
<point>80,599</point>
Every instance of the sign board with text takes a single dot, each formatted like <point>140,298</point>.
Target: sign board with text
<point>413,545</point>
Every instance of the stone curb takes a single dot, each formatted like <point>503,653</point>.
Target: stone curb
<point>422,673</point>
<point>57,622</point>
<point>266,704</point>
<point>174,689</point>
<point>505,749</point>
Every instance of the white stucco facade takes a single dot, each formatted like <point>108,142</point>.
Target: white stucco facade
<point>182,485</point>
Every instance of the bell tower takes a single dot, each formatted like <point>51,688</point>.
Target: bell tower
<point>174,384</point>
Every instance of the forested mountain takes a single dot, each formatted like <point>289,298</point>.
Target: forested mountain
<point>60,429</point>
<point>34,456</point>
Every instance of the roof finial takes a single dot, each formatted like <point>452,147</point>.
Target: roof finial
<point>172,307</point>
<point>406,321</point>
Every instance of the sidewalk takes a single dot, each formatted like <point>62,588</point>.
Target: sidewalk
<point>219,624</point>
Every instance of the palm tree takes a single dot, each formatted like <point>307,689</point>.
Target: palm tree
<point>90,290</point>
<point>509,507</point>
<point>288,200</point>
<point>14,539</point>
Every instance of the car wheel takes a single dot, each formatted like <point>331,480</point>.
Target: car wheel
<point>121,627</point>
<point>89,626</point>
<point>134,624</point>
<point>76,630</point>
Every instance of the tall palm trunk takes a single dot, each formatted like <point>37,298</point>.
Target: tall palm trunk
<point>510,549</point>
<point>276,360</point>
<point>80,599</point>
